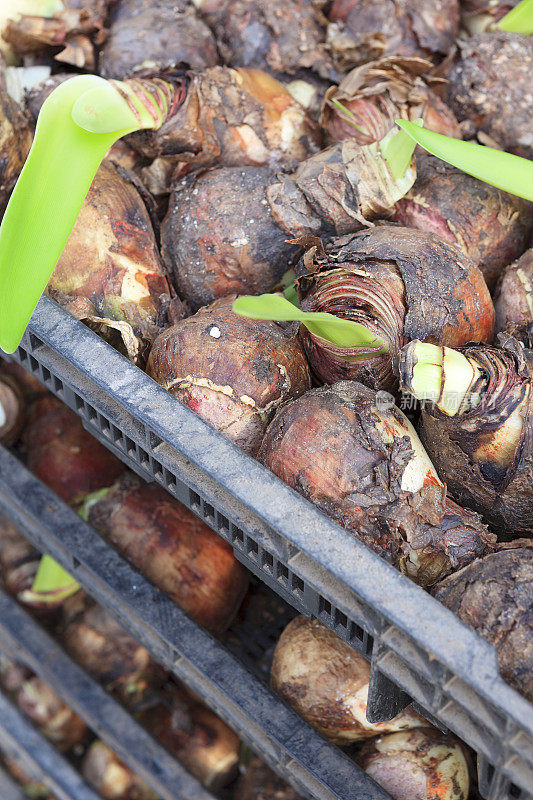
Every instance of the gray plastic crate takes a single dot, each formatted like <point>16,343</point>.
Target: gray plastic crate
<point>418,649</point>
<point>296,751</point>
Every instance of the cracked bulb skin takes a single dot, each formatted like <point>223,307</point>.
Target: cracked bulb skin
<point>232,371</point>
<point>175,549</point>
<point>110,273</point>
<point>402,284</point>
<point>422,764</point>
<point>513,299</point>
<point>363,30</point>
<point>484,452</point>
<point>360,461</point>
<point>491,227</point>
<point>494,596</point>
<point>260,783</point>
<point>326,682</point>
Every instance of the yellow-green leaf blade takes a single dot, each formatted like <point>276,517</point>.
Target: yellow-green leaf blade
<point>519,19</point>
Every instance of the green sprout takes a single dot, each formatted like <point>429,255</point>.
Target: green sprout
<point>519,19</point>
<point>77,125</point>
<point>337,331</point>
<point>505,171</point>
<point>52,584</point>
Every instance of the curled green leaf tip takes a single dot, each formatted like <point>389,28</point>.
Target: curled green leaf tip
<point>519,19</point>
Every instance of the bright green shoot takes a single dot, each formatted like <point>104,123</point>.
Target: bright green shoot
<point>504,171</point>
<point>52,584</point>
<point>519,19</point>
<point>77,125</point>
<point>340,332</point>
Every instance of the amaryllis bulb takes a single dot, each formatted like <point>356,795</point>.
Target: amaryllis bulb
<point>513,299</point>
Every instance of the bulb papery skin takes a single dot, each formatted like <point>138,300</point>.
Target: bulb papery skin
<point>259,782</point>
<point>382,278</point>
<point>422,764</point>
<point>175,549</point>
<point>362,30</point>
<point>283,37</point>
<point>94,639</point>
<point>353,454</point>
<point>15,140</point>
<point>378,93</point>
<point>233,371</point>
<point>326,682</point>
<point>489,84</point>
<point>513,299</point>
<point>19,562</point>
<point>111,777</point>
<point>142,34</point>
<point>110,273</point>
<point>230,117</point>
<point>494,595</point>
<point>490,226</point>
<point>200,740</point>
<point>56,721</point>
<point>484,452</point>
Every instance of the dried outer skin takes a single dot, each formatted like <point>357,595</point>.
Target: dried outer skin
<point>446,299</point>
<point>200,740</point>
<point>219,236</point>
<point>141,33</point>
<point>111,777</point>
<point>54,718</point>
<point>231,370</point>
<point>478,16</point>
<point>174,548</point>
<point>103,648</point>
<point>110,273</point>
<point>378,93</point>
<point>485,466</point>
<point>38,94</point>
<point>366,469</point>
<point>12,410</point>
<point>261,783</point>
<point>15,140</point>
<point>19,560</point>
<point>233,117</point>
<point>513,300</point>
<point>490,84</point>
<point>326,682</point>
<point>363,30</point>
<point>279,36</point>
<point>494,595</point>
<point>337,191</point>
<point>488,225</point>
<point>62,454</point>
<point>422,764</point>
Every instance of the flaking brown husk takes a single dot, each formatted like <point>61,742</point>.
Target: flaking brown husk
<point>142,33</point>
<point>339,190</point>
<point>110,273</point>
<point>326,682</point>
<point>231,117</point>
<point>478,16</point>
<point>490,226</point>
<point>513,300</point>
<point>175,549</point>
<point>72,33</point>
<point>233,371</point>
<point>110,655</point>
<point>380,92</point>
<point>279,36</point>
<point>363,30</point>
<point>431,290</point>
<point>200,740</point>
<point>15,140</point>
<point>490,84</point>
<point>485,466</point>
<point>259,782</point>
<point>336,448</point>
<point>494,595</point>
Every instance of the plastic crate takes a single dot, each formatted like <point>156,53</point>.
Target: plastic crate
<point>316,768</point>
<point>418,649</point>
